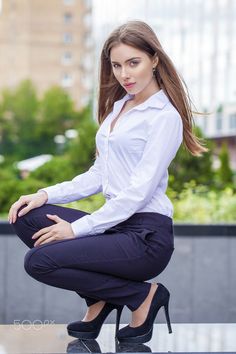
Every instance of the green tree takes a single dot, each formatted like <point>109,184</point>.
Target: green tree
<point>28,126</point>
<point>56,115</point>
<point>18,120</point>
<point>81,151</point>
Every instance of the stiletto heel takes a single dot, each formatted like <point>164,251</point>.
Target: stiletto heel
<point>166,307</point>
<point>118,315</point>
<point>143,333</point>
<point>91,329</point>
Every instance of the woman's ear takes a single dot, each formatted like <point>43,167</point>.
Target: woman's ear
<point>155,60</point>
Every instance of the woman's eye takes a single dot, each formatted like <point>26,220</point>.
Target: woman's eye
<point>115,66</point>
<point>134,63</point>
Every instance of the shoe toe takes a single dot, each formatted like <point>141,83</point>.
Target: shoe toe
<point>124,332</point>
<point>73,325</point>
<point>80,326</point>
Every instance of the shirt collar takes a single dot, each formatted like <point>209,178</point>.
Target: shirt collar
<point>157,100</point>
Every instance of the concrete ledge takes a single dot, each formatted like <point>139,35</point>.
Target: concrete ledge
<point>179,229</point>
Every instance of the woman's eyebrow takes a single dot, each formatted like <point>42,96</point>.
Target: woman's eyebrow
<point>116,62</point>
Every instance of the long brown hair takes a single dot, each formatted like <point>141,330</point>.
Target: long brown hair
<point>140,35</point>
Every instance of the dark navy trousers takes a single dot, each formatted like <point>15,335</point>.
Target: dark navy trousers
<point>113,266</point>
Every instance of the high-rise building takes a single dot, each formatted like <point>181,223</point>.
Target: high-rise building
<point>49,42</point>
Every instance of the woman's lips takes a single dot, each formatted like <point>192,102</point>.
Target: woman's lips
<point>129,85</point>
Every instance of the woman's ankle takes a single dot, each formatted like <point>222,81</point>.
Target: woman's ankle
<point>140,314</point>
<point>93,311</point>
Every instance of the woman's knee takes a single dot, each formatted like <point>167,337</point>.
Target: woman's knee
<point>37,261</point>
<point>19,225</point>
<point>29,263</point>
<point>33,262</point>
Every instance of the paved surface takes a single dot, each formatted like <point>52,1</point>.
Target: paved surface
<point>186,338</point>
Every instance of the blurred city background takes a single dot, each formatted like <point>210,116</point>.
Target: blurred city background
<point>49,70</point>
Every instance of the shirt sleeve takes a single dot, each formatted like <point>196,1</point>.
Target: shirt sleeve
<point>164,139</point>
<point>79,187</point>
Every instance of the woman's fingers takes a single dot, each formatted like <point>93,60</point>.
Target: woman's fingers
<point>48,237</point>
<point>13,211</point>
<point>46,240</point>
<point>43,231</point>
<point>32,201</point>
<point>26,209</point>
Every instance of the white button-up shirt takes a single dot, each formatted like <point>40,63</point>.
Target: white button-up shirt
<point>132,167</point>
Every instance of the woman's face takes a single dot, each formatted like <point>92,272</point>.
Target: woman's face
<point>133,69</point>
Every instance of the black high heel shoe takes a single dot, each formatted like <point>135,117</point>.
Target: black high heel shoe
<point>143,333</point>
<point>91,329</point>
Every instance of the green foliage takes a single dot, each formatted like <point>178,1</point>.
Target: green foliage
<point>18,120</point>
<point>81,151</point>
<point>56,115</point>
<point>198,204</point>
<point>186,167</point>
<point>89,204</point>
<point>57,170</point>
<point>224,173</point>
<point>14,188</point>
<point>28,126</point>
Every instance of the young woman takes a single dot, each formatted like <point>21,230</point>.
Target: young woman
<point>107,256</point>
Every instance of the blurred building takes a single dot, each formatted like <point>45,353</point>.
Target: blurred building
<point>221,127</point>
<point>31,164</point>
<point>200,38</point>
<point>49,42</point>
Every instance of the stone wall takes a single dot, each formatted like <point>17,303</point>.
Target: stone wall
<point>201,277</point>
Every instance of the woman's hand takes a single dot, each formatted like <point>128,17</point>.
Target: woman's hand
<point>32,201</point>
<point>60,231</point>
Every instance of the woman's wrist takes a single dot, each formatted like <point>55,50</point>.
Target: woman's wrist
<point>43,193</point>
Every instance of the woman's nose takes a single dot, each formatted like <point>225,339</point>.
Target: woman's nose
<point>124,73</point>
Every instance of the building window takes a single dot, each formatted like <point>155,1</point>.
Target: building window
<point>88,41</point>
<point>67,38</point>
<point>232,121</point>
<point>68,17</point>
<point>87,62</point>
<point>218,123</point>
<point>87,20</point>
<point>67,58</point>
<point>67,80</point>
<point>69,2</point>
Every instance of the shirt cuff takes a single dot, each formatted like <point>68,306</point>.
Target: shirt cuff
<point>81,227</point>
<point>49,191</point>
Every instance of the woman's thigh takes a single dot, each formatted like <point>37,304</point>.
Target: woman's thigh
<point>36,219</point>
<point>121,254</point>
